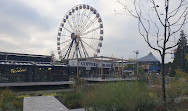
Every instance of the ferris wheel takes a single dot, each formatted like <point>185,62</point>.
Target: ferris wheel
<point>80,33</point>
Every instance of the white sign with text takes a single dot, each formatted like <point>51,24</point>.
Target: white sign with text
<point>89,64</point>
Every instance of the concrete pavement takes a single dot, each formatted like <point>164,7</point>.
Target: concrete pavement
<point>43,103</point>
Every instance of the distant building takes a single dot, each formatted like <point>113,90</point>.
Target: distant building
<point>8,56</point>
<point>99,66</point>
<point>18,67</point>
<point>149,63</point>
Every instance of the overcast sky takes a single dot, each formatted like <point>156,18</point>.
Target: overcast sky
<point>31,26</point>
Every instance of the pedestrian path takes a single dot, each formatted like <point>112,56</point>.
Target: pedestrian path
<point>37,83</point>
<point>43,103</point>
<point>80,109</point>
<point>98,79</point>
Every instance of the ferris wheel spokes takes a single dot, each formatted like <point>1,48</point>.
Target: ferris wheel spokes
<point>82,18</point>
<point>67,29</point>
<point>66,41</point>
<point>70,25</point>
<point>65,36</point>
<point>73,22</point>
<point>79,34</point>
<point>89,45</point>
<point>84,37</point>
<point>89,25</point>
<point>92,30</point>
<point>86,19</point>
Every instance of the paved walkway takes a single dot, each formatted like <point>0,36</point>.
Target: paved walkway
<point>95,79</point>
<point>43,103</point>
<point>36,83</point>
<point>80,109</point>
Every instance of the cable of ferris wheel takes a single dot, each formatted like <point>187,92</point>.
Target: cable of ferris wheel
<point>65,41</point>
<point>88,25</point>
<point>89,45</point>
<point>87,19</point>
<point>65,36</point>
<point>77,20</point>
<point>84,37</point>
<point>92,30</point>
<point>73,21</point>
<point>67,29</point>
<point>70,25</point>
<point>82,18</point>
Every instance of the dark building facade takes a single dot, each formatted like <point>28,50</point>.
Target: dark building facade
<point>24,57</point>
<point>16,67</point>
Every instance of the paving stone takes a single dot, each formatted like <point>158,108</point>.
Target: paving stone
<point>79,109</point>
<point>43,103</point>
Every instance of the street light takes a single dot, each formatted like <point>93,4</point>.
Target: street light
<point>136,52</point>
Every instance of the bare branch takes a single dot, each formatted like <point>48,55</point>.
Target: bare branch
<point>157,33</point>
<point>126,8</point>
<point>147,37</point>
<point>179,27</point>
<point>155,7</point>
<point>184,13</point>
<point>169,31</point>
<point>172,46</point>
<point>175,11</point>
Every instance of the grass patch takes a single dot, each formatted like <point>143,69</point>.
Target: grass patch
<point>121,96</point>
<point>71,100</point>
<point>10,102</point>
<point>125,96</point>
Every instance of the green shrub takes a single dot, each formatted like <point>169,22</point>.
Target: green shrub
<point>177,89</point>
<point>181,74</point>
<point>9,102</point>
<point>17,104</point>
<point>121,96</point>
<point>71,100</point>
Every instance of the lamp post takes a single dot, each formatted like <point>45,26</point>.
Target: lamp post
<point>136,52</point>
<point>77,63</point>
<point>77,69</point>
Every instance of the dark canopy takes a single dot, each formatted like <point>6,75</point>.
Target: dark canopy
<point>149,58</point>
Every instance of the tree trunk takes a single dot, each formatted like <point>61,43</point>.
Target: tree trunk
<point>163,78</point>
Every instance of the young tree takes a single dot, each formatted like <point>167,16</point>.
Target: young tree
<point>158,22</point>
<point>180,61</point>
<point>53,59</point>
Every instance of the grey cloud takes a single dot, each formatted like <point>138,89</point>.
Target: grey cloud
<point>13,30</point>
<point>18,15</point>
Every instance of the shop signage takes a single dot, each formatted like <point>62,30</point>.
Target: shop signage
<point>17,70</point>
<point>73,62</point>
<point>89,64</point>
